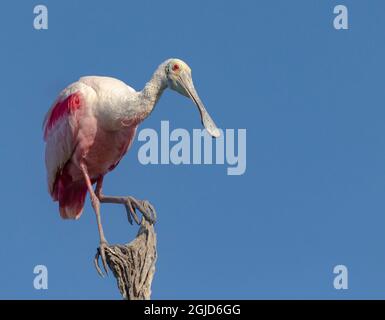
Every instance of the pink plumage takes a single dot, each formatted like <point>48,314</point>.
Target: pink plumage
<point>62,109</point>
<point>76,130</point>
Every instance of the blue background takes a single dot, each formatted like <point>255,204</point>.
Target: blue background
<point>310,97</point>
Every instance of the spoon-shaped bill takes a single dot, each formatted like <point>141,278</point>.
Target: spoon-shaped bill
<point>207,121</point>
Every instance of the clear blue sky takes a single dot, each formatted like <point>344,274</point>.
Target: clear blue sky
<point>311,99</point>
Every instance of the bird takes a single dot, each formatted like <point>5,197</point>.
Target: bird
<point>92,125</point>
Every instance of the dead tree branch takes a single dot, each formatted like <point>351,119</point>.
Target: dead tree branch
<point>133,264</point>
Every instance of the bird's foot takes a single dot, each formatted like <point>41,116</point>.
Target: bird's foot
<point>145,207</point>
<point>101,252</point>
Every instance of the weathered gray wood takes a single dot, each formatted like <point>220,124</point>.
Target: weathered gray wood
<point>133,264</point>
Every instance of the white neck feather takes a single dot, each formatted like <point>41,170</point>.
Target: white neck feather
<point>153,89</point>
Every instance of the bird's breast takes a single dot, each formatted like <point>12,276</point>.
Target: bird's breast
<point>102,149</point>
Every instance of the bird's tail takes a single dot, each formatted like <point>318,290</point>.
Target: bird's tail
<point>71,199</point>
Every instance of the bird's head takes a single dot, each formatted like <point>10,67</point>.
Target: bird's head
<point>179,79</point>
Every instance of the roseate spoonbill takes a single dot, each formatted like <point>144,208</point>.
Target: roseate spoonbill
<point>91,126</point>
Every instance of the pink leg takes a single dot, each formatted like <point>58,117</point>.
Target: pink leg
<point>130,203</point>
<point>96,205</point>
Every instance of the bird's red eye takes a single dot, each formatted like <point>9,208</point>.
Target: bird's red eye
<point>175,67</point>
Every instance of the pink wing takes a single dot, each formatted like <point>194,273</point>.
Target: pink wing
<point>60,127</point>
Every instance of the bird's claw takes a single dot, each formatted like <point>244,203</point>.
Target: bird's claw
<point>131,213</point>
<point>145,207</point>
<point>102,254</point>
